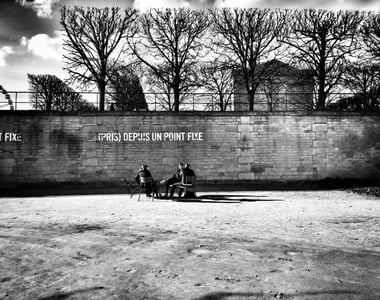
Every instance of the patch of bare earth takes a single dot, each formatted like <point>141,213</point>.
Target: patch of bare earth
<point>226,245</point>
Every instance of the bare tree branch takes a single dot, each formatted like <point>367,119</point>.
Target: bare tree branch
<point>322,41</point>
<point>50,93</point>
<point>92,38</point>
<point>217,78</point>
<point>371,33</point>
<point>247,37</point>
<point>363,79</point>
<point>170,47</point>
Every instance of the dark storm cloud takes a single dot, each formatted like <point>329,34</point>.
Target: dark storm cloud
<point>17,21</point>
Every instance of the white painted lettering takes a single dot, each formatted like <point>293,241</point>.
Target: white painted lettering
<point>10,137</point>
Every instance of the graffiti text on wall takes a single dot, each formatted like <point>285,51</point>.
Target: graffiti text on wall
<point>10,137</point>
<point>149,136</point>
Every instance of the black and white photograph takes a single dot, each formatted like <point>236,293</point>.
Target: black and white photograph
<point>189,149</point>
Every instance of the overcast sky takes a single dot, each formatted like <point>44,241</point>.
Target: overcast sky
<point>30,33</point>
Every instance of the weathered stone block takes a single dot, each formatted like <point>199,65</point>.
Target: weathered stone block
<point>6,171</point>
<point>245,120</point>
<point>318,144</point>
<point>246,176</point>
<point>245,128</point>
<point>91,162</point>
<point>319,127</point>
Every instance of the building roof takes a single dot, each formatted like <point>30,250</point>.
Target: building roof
<point>277,68</point>
<point>280,68</point>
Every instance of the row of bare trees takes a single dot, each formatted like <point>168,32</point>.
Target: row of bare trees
<point>49,93</point>
<point>173,47</point>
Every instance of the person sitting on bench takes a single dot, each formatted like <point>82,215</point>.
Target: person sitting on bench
<point>188,172</point>
<point>177,177</point>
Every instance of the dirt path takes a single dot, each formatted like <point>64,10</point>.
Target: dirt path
<point>232,245</point>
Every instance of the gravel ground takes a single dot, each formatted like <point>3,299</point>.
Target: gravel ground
<point>224,245</point>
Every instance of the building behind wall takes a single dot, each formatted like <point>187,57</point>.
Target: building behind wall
<point>281,88</point>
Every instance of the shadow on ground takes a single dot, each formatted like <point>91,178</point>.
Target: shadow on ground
<point>227,198</point>
<point>226,295</point>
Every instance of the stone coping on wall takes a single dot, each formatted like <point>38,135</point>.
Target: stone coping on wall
<point>188,113</point>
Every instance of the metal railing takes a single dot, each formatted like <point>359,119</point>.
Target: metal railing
<point>89,101</point>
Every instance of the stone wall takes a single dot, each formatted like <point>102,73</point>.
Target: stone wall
<point>43,148</point>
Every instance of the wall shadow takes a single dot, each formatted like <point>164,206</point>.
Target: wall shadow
<point>225,295</point>
<point>50,188</point>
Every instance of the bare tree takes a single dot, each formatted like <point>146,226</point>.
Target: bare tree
<point>92,38</point>
<point>216,78</point>
<point>271,88</point>
<point>170,46</point>
<point>162,90</point>
<point>248,36</point>
<point>164,97</point>
<point>371,33</point>
<point>50,93</point>
<point>363,79</point>
<point>46,91</point>
<point>322,41</point>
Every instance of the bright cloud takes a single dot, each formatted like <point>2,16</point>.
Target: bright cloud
<point>234,3</point>
<point>4,52</point>
<point>318,4</point>
<point>44,46</point>
<point>43,8</point>
<point>143,5</point>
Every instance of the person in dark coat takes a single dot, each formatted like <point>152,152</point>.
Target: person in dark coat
<point>177,177</point>
<point>144,172</point>
<point>187,172</point>
<point>190,192</point>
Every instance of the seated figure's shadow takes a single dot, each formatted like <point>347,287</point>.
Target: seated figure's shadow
<point>227,198</point>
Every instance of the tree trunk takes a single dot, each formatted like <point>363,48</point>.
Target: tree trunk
<point>176,99</point>
<point>221,101</point>
<point>102,95</point>
<point>177,93</point>
<point>49,103</point>
<point>321,104</point>
<point>251,99</point>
